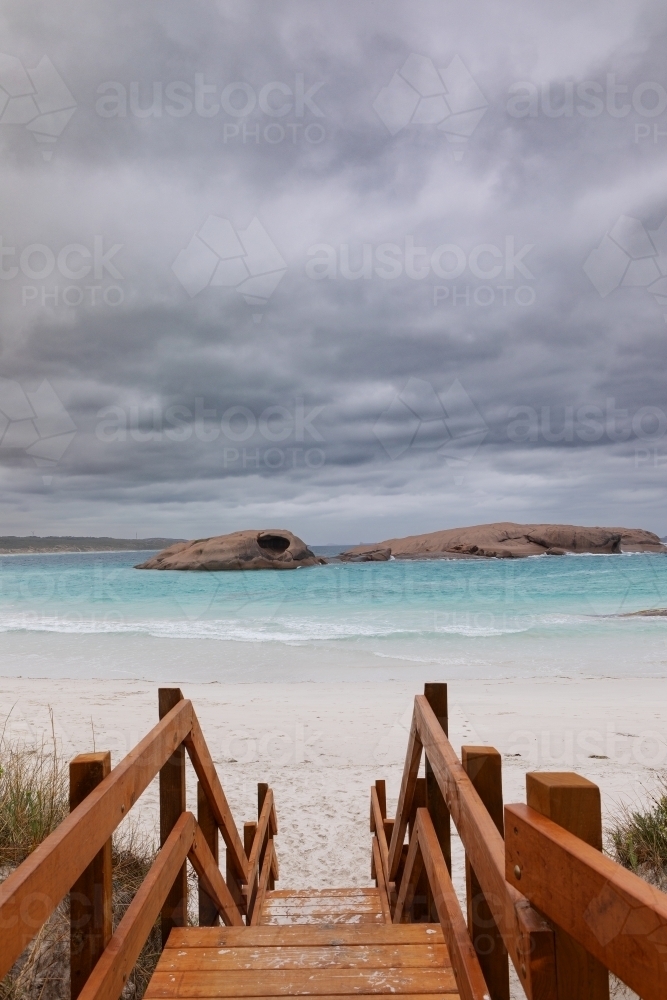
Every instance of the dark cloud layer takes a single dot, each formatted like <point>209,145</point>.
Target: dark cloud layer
<point>416,332</point>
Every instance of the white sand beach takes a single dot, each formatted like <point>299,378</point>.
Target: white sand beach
<point>321,746</point>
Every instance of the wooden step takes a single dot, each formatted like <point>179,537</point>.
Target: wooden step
<point>320,935</point>
<point>320,959</point>
<point>322,906</point>
<point>300,956</point>
<point>302,982</point>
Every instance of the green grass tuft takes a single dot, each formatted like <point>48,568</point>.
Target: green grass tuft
<point>639,840</point>
<point>33,796</point>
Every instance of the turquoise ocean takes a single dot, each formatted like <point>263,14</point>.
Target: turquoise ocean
<point>94,615</point>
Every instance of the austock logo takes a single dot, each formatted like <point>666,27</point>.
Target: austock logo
<point>37,98</point>
<point>630,256</point>
<point>35,423</point>
<point>420,94</point>
<point>218,256</point>
<point>418,418</point>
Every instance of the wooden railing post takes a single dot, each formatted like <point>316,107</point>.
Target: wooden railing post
<point>483,765</point>
<point>172,805</point>
<point>420,907</point>
<point>233,884</point>
<point>208,911</point>
<point>436,696</point>
<point>574,803</point>
<point>262,789</point>
<point>90,896</point>
<point>249,831</point>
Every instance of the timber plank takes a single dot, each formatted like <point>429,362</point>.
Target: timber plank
<point>362,904</point>
<point>313,936</point>
<point>316,893</point>
<point>322,917</point>
<point>349,996</point>
<point>383,956</point>
<point>300,982</point>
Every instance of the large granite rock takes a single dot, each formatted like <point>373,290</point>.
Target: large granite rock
<point>368,555</point>
<point>506,540</point>
<point>272,549</point>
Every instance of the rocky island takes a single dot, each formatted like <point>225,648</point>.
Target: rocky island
<point>506,540</point>
<point>280,549</point>
<point>272,549</point>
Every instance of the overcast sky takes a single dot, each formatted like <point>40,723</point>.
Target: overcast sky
<point>357,270</point>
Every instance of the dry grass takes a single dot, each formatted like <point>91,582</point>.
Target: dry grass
<point>639,840</point>
<point>34,799</point>
<point>33,796</point>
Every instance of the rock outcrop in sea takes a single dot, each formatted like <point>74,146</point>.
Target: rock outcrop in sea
<point>505,540</point>
<point>271,549</point>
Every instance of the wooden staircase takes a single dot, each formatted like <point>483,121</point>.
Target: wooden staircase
<point>539,892</point>
<point>315,942</point>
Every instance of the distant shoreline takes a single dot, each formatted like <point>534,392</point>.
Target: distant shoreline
<point>68,552</point>
<point>15,545</point>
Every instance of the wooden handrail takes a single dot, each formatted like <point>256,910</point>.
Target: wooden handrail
<point>378,822</point>
<point>263,884</point>
<point>30,894</point>
<point>527,936</point>
<point>425,852</point>
<point>266,825</point>
<point>411,873</point>
<point>204,767</point>
<point>617,916</point>
<point>263,824</point>
<point>109,976</point>
<point>381,882</point>
<point>405,797</point>
<point>48,873</point>
<point>186,840</point>
<point>211,878</point>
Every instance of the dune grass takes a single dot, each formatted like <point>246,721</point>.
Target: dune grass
<point>33,796</point>
<point>639,839</point>
<point>34,799</point>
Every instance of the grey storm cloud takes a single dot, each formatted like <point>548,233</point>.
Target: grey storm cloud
<point>364,274</point>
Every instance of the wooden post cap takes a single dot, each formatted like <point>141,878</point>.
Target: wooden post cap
<point>436,695</point>
<point>483,765</point>
<point>568,799</point>
<point>86,770</point>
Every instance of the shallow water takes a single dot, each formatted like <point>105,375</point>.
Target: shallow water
<point>542,615</point>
